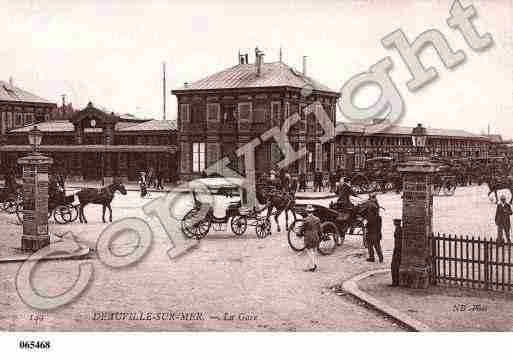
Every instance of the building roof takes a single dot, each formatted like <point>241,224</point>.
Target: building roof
<point>495,138</point>
<point>12,93</point>
<point>405,130</point>
<point>48,126</point>
<point>153,125</point>
<point>67,126</point>
<point>274,74</point>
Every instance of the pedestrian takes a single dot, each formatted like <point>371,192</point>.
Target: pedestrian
<point>311,228</point>
<point>159,179</point>
<point>502,220</point>
<point>317,181</point>
<point>302,182</point>
<point>150,177</point>
<point>374,231</point>
<point>143,185</point>
<point>333,181</point>
<point>396,255</point>
<point>285,182</point>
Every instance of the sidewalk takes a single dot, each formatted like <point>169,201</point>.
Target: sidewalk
<point>440,308</point>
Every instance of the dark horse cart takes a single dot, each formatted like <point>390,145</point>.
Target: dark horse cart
<point>336,222</point>
<point>380,175</point>
<point>60,207</point>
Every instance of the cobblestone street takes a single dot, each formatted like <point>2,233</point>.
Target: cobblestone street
<point>262,278</point>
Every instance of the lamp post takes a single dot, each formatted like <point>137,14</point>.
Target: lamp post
<point>35,195</point>
<point>417,172</point>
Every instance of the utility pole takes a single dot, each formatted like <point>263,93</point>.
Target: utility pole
<point>164,91</point>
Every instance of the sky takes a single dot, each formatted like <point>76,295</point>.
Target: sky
<point>111,52</point>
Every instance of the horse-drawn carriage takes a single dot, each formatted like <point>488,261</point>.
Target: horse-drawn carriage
<point>444,181</point>
<point>199,220</point>
<point>60,207</point>
<point>336,222</point>
<point>380,175</point>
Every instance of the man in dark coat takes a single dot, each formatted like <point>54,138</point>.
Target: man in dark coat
<point>374,231</point>
<point>317,181</point>
<point>302,182</point>
<point>345,192</point>
<point>502,220</point>
<point>396,256</point>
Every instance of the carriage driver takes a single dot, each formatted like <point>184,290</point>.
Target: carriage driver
<point>345,191</point>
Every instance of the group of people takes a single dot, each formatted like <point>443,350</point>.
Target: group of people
<point>373,236</point>
<point>153,179</point>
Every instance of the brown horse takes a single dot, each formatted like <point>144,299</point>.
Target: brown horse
<point>103,196</point>
<point>279,202</point>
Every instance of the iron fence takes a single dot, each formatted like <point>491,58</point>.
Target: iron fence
<point>479,263</point>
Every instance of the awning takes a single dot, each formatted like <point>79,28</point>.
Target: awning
<point>90,148</point>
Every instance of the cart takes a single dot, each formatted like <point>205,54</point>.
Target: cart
<point>199,220</point>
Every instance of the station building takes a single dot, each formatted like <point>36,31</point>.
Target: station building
<point>94,145</point>
<point>222,112</point>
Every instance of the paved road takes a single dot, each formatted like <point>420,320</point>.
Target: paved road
<point>226,274</point>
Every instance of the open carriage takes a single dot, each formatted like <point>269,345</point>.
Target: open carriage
<point>445,180</point>
<point>199,220</point>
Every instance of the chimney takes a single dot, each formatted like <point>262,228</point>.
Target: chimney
<point>186,85</point>
<point>11,82</point>
<point>246,58</point>
<point>304,65</point>
<point>259,58</point>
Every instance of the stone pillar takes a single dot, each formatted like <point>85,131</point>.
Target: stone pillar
<point>416,264</point>
<point>35,201</point>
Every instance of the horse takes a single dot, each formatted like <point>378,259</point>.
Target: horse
<point>280,201</point>
<point>351,217</point>
<point>103,196</point>
<point>495,184</point>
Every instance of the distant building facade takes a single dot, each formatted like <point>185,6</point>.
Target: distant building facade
<point>222,112</point>
<point>19,107</point>
<point>93,144</point>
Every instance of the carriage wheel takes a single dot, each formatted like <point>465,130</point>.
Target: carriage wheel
<point>63,214</point>
<point>263,228</point>
<point>193,227</point>
<point>295,235</point>
<point>329,238</point>
<point>239,225</point>
<point>201,228</point>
